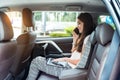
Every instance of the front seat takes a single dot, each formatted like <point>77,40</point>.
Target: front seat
<point>25,44</point>
<point>7,46</point>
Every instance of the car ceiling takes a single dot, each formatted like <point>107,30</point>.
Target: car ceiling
<point>54,5</point>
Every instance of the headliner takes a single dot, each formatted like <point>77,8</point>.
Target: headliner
<point>55,5</point>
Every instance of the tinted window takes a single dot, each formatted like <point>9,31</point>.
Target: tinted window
<point>107,19</point>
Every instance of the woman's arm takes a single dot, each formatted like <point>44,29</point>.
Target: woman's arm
<point>75,37</point>
<point>73,61</point>
<point>66,59</point>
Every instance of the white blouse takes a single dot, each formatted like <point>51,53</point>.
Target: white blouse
<point>76,54</point>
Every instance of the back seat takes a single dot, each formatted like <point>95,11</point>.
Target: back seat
<point>86,58</point>
<point>103,35</point>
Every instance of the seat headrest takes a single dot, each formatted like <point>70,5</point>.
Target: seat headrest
<point>6,31</point>
<point>27,17</point>
<point>26,38</point>
<point>104,33</point>
<point>93,38</point>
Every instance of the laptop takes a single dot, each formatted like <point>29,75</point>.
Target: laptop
<point>51,62</point>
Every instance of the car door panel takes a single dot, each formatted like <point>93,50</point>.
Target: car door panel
<point>65,44</point>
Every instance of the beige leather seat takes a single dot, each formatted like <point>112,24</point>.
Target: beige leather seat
<point>7,46</point>
<point>25,44</point>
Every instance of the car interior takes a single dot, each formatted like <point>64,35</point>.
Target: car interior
<point>25,33</point>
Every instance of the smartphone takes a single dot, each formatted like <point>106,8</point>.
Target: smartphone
<point>76,30</point>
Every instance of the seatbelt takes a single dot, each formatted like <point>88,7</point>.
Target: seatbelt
<point>111,57</point>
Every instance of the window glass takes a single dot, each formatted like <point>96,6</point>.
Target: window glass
<point>54,23</point>
<point>16,20</point>
<point>106,19</point>
<point>47,23</point>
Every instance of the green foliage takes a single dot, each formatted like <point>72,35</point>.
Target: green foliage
<point>59,34</point>
<point>99,20</point>
<point>69,17</point>
<point>61,16</point>
<point>38,16</point>
<point>67,32</point>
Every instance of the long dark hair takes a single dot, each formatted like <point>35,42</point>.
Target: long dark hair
<point>88,27</point>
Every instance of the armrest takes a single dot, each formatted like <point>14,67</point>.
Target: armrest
<point>51,42</point>
<point>58,55</point>
<point>73,74</point>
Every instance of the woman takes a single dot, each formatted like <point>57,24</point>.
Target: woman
<point>85,27</point>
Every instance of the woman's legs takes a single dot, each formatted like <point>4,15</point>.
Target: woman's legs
<point>39,64</point>
<point>33,71</point>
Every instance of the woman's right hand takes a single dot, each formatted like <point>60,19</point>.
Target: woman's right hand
<point>75,36</point>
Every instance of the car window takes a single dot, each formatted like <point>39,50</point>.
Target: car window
<point>46,23</point>
<point>107,19</point>
<point>54,23</point>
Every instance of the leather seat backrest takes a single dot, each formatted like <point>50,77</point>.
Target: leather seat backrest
<point>92,47</point>
<point>7,46</point>
<point>25,44</point>
<point>104,34</point>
